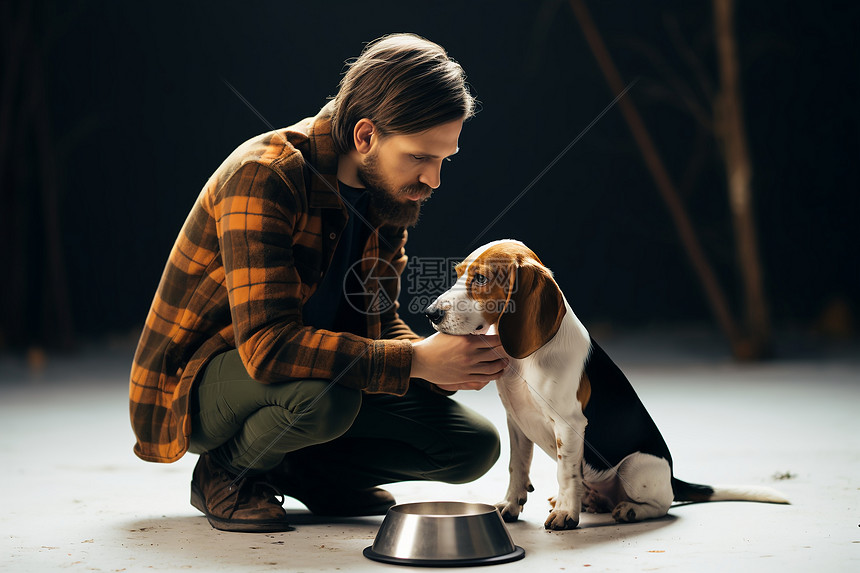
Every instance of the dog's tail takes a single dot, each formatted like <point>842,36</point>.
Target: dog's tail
<point>693,492</point>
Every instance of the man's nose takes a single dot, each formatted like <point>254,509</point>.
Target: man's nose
<point>434,313</point>
<point>432,176</point>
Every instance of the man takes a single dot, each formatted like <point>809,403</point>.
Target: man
<point>253,354</point>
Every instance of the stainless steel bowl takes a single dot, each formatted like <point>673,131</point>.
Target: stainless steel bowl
<point>443,534</point>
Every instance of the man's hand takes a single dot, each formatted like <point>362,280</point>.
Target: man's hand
<point>459,362</point>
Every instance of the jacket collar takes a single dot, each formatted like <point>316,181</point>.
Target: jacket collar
<point>317,147</point>
<point>321,159</point>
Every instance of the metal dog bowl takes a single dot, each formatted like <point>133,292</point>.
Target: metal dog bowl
<point>443,534</point>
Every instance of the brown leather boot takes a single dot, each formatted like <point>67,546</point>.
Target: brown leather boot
<point>324,496</point>
<point>236,504</point>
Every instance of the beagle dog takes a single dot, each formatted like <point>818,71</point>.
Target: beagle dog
<point>559,383</point>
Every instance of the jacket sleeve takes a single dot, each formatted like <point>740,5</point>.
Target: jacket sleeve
<point>255,212</point>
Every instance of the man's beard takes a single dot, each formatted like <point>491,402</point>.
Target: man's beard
<point>390,205</point>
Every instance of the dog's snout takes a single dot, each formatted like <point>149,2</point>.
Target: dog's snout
<point>434,313</point>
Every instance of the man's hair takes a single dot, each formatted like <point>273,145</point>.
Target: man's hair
<point>404,84</point>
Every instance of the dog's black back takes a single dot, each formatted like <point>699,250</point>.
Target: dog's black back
<point>618,423</point>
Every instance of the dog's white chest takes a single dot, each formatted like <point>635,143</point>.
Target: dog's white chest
<point>529,410</point>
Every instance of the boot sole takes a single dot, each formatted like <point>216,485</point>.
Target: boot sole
<point>236,525</point>
<point>290,489</point>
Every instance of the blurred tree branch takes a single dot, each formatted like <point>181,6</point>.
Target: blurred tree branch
<point>731,131</point>
<point>751,340</point>
<point>36,309</point>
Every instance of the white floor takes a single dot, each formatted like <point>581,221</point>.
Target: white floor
<point>75,497</point>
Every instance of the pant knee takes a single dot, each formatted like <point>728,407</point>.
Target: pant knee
<point>330,413</point>
<point>476,453</point>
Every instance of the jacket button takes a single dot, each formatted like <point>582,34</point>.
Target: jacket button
<point>332,236</point>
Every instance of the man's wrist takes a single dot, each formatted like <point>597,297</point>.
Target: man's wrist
<point>417,369</point>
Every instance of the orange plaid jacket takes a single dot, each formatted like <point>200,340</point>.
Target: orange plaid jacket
<point>253,249</point>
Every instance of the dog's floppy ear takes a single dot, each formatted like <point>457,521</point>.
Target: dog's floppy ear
<point>534,313</point>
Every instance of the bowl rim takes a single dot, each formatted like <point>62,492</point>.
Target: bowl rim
<point>515,555</point>
<point>485,509</point>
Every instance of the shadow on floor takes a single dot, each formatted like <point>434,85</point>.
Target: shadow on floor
<point>189,541</point>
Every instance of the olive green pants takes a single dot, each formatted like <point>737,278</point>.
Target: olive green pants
<point>364,439</point>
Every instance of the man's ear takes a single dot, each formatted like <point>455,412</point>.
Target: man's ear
<point>534,313</point>
<point>362,135</point>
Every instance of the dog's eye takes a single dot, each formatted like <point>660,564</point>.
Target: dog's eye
<point>480,279</point>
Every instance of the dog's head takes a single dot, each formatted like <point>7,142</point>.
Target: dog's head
<point>502,283</point>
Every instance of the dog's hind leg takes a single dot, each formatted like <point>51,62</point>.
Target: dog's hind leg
<point>646,482</point>
<point>519,484</point>
<point>594,500</point>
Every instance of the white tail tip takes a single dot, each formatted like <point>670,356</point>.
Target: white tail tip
<point>748,493</point>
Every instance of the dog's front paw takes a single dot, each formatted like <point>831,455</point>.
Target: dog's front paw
<point>559,519</point>
<point>510,511</point>
<point>625,512</point>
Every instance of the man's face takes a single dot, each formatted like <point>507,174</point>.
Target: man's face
<point>401,171</point>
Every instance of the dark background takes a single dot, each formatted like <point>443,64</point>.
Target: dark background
<point>137,115</point>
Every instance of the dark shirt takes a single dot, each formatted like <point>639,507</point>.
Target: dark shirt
<point>328,307</point>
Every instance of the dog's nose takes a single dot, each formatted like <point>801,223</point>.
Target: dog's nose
<point>435,314</point>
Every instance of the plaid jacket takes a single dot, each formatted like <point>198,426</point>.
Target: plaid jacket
<point>252,250</point>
